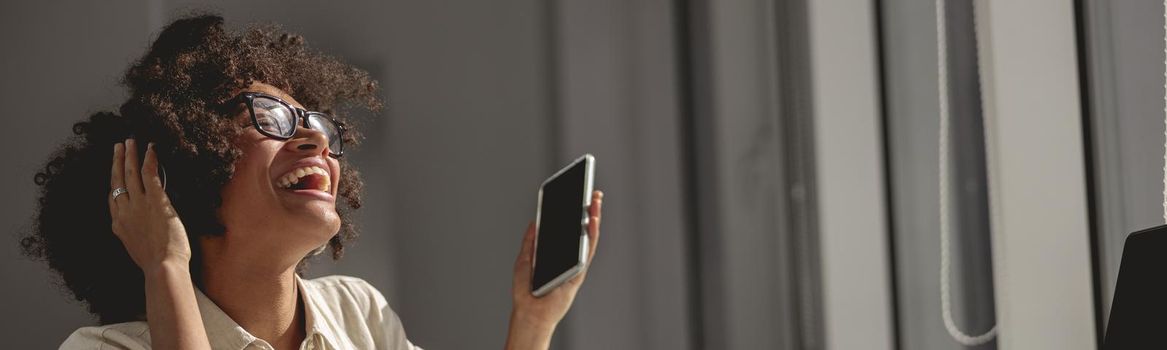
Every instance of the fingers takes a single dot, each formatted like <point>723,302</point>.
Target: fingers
<point>115,172</point>
<point>522,277</point>
<point>594,209</point>
<point>116,176</point>
<point>527,247</point>
<point>151,182</point>
<point>133,180</point>
<point>593,235</point>
<point>594,223</point>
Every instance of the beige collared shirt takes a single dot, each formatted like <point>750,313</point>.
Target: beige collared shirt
<point>340,312</point>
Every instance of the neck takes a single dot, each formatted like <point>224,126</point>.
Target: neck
<point>262,298</point>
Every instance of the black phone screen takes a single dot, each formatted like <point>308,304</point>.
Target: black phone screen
<point>1138,313</point>
<point>561,212</point>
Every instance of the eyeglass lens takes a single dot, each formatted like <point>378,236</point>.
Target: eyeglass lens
<point>277,119</point>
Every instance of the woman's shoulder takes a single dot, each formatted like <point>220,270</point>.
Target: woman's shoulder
<point>127,335</point>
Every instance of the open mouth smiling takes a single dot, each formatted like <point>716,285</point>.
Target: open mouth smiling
<point>306,178</point>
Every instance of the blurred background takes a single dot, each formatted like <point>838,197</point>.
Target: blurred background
<point>770,167</point>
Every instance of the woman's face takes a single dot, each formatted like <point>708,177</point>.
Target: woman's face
<point>260,207</point>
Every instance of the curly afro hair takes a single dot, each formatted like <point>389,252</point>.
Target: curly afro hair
<point>178,94</point>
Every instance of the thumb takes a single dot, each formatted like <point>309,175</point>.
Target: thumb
<point>528,245</point>
<point>522,270</point>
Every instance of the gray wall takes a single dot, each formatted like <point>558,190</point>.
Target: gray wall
<point>64,63</point>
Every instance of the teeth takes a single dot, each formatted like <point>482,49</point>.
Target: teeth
<point>294,176</point>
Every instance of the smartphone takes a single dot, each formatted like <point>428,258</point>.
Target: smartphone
<point>561,225</point>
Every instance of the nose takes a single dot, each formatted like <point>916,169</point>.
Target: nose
<point>308,141</point>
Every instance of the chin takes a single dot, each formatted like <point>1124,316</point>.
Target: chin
<point>320,220</point>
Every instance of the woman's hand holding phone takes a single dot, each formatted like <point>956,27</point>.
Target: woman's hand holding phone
<point>533,319</point>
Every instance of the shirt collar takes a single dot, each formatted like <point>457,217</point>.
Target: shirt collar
<point>314,321</point>
<point>224,333</point>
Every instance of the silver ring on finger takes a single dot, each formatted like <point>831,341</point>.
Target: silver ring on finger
<point>119,191</point>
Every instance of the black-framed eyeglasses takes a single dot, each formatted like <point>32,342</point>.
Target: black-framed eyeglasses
<point>276,118</point>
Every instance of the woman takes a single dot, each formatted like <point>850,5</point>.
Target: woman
<point>183,221</point>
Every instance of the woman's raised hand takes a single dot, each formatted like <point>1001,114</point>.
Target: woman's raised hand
<point>533,320</point>
<point>148,226</point>
<point>143,218</point>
